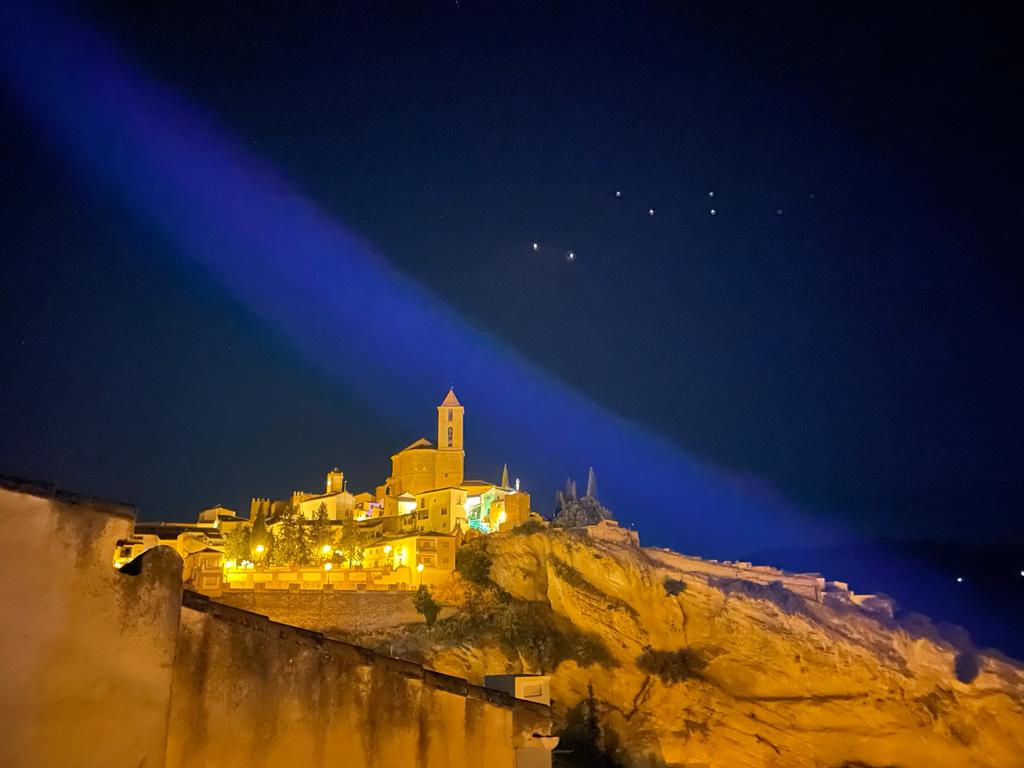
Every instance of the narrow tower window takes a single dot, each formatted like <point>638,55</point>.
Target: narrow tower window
<point>449,414</point>
<point>449,436</point>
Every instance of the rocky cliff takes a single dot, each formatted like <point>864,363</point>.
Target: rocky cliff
<point>695,664</point>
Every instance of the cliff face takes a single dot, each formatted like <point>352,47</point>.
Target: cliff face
<point>701,668</point>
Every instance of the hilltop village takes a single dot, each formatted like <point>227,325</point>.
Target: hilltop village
<point>402,535</point>
<point>308,631</point>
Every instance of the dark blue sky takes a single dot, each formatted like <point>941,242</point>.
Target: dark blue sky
<point>859,354</point>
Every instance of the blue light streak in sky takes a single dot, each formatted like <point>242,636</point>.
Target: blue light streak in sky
<point>342,306</point>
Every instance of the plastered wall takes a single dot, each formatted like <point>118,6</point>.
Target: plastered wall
<point>111,668</point>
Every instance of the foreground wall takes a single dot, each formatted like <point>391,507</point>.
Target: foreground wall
<point>249,691</point>
<point>108,669</point>
<point>86,672</point>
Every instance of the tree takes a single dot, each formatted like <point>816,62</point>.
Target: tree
<point>291,544</point>
<point>591,484</point>
<point>238,544</point>
<point>564,496</point>
<point>426,605</point>
<point>321,537</point>
<point>576,513</point>
<point>352,542</point>
<point>582,743</point>
<point>474,564</point>
<point>260,536</point>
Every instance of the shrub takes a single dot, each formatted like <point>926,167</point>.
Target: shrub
<point>672,666</point>
<point>674,587</point>
<point>530,630</point>
<point>576,513</point>
<point>474,564</point>
<point>529,527</point>
<point>426,605</point>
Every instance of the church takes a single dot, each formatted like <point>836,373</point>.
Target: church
<point>426,491</point>
<point>411,523</point>
<point>424,466</point>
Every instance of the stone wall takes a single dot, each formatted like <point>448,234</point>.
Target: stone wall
<point>329,611</point>
<point>673,565</point>
<point>106,668</point>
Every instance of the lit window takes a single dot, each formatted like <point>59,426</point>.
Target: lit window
<point>450,433</point>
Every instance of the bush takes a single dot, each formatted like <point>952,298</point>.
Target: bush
<point>674,587</point>
<point>672,666</point>
<point>577,513</point>
<point>474,564</point>
<point>426,605</point>
<point>530,630</point>
<point>529,527</point>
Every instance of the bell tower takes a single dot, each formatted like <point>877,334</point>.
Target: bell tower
<point>449,423</point>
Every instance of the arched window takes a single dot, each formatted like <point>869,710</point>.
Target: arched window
<point>450,432</point>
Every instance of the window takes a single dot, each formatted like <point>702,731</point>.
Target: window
<point>532,690</point>
<point>450,433</point>
<point>444,510</point>
<point>449,414</point>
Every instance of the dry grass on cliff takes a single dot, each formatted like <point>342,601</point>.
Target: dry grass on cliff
<point>527,630</point>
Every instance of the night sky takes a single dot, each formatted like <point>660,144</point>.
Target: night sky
<point>844,331</point>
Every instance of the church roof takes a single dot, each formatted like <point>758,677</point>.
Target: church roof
<point>451,401</point>
<point>421,443</point>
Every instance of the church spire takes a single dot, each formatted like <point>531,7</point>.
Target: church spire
<point>504,476</point>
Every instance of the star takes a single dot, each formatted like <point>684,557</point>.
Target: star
<point>536,246</point>
<point>650,211</point>
<point>570,256</point>
<point>618,193</point>
<point>778,211</point>
<point>711,193</point>
<point>959,579</point>
<point>713,211</point>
